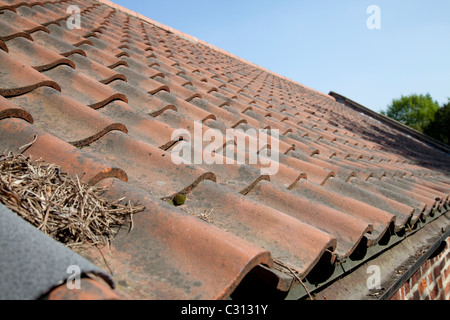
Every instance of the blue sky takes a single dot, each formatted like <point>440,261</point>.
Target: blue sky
<point>326,44</point>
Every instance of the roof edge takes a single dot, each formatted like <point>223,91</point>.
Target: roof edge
<point>198,41</point>
<point>396,263</point>
<point>388,121</point>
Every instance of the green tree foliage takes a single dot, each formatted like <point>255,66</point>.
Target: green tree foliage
<point>439,128</point>
<point>415,111</point>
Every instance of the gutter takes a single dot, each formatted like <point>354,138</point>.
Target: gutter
<point>348,280</point>
<point>397,261</point>
<point>409,273</point>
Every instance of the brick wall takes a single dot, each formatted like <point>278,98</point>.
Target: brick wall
<point>431,281</point>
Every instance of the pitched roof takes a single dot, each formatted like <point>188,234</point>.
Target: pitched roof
<point>103,102</point>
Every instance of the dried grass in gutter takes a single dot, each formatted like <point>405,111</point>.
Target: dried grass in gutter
<point>67,210</point>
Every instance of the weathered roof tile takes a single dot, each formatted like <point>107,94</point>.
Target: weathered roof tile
<point>17,78</point>
<point>113,101</point>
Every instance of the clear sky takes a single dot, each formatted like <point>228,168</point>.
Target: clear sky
<point>326,44</point>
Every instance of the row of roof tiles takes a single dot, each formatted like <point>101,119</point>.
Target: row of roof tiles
<point>103,102</point>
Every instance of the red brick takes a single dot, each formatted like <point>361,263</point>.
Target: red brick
<point>434,292</point>
<point>447,290</point>
<point>430,278</point>
<point>438,269</point>
<point>396,296</point>
<point>416,277</point>
<point>436,272</point>
<point>447,273</point>
<point>415,295</point>
<point>407,287</point>
<point>422,286</point>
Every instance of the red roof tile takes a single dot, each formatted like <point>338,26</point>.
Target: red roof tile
<point>104,102</point>
<point>16,134</point>
<point>39,14</point>
<point>66,118</point>
<point>35,55</point>
<point>10,110</point>
<point>90,290</point>
<point>174,255</point>
<point>17,78</point>
<point>17,22</point>
<point>83,88</point>
<point>54,43</point>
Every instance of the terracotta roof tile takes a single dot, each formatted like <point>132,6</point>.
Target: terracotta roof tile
<point>56,44</point>
<point>106,101</point>
<point>35,55</point>
<point>21,23</point>
<point>148,167</point>
<point>3,46</point>
<point>174,255</point>
<point>10,110</point>
<point>107,45</point>
<point>66,35</point>
<point>140,81</point>
<point>83,88</point>
<point>347,229</point>
<point>140,99</point>
<point>315,173</point>
<point>95,70</point>
<point>16,133</point>
<point>8,32</point>
<point>39,15</point>
<point>90,290</point>
<point>6,6</point>
<point>231,119</point>
<point>49,13</point>
<point>141,68</point>
<point>262,225</point>
<point>102,57</point>
<point>379,219</point>
<point>16,78</point>
<point>140,125</point>
<point>66,118</point>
